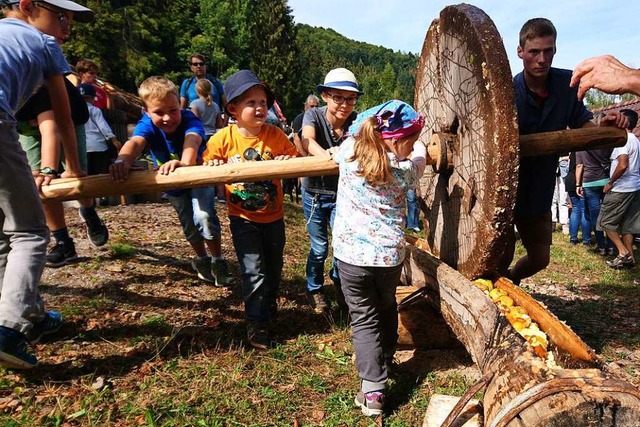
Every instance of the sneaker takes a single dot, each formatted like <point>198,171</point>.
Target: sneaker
<point>573,241</point>
<point>258,336</point>
<point>416,229</point>
<point>621,261</point>
<point>202,267</point>
<point>14,353</point>
<point>97,232</point>
<point>50,324</point>
<point>317,301</point>
<point>220,272</point>
<point>62,253</point>
<point>372,404</point>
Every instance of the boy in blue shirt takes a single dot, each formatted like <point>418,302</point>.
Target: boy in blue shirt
<point>29,58</point>
<point>175,139</point>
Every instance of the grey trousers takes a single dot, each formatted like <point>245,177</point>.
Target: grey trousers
<point>370,293</point>
<point>24,235</point>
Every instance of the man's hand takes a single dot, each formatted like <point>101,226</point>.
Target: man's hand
<point>579,192</point>
<point>119,170</point>
<point>607,188</point>
<point>614,118</point>
<point>604,73</point>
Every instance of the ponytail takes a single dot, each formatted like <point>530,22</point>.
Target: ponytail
<point>203,89</point>
<point>370,151</point>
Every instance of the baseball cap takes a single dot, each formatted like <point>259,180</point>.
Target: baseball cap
<point>87,89</point>
<point>80,13</point>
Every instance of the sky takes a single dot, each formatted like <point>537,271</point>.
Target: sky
<point>585,28</point>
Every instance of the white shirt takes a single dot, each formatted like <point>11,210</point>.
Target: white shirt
<point>630,180</point>
<point>97,130</point>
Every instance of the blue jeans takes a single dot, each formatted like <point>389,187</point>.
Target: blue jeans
<point>578,220</point>
<point>593,197</point>
<point>412,209</point>
<point>259,248</point>
<point>197,213</point>
<point>319,211</point>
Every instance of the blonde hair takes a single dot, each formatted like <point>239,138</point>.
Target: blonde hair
<point>370,151</point>
<point>157,87</point>
<point>203,89</point>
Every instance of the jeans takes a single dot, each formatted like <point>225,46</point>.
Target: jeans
<point>412,209</point>
<point>23,235</point>
<point>593,197</point>
<point>260,249</point>
<point>319,211</point>
<point>370,293</point>
<point>197,213</point>
<point>578,220</point>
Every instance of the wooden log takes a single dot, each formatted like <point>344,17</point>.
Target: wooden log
<point>187,177</point>
<point>522,389</point>
<point>439,407</point>
<point>564,141</point>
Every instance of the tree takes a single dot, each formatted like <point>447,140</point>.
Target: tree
<point>596,99</point>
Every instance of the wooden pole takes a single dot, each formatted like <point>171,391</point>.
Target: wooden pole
<point>187,177</point>
<point>564,141</point>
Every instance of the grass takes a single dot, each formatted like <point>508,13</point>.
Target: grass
<point>146,345</point>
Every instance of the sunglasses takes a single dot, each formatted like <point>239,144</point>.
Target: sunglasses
<point>339,99</point>
<point>198,64</point>
<point>62,17</point>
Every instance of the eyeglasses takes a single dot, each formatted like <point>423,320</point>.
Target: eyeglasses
<point>62,17</point>
<point>198,64</point>
<point>338,99</point>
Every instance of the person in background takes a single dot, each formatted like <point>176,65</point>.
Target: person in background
<point>377,165</point>
<point>188,92</point>
<point>174,137</point>
<point>323,128</point>
<point>30,58</point>
<point>312,101</point>
<point>577,219</point>
<point>256,209</point>
<point>88,72</point>
<point>544,102</point>
<point>559,207</point>
<point>620,212</point>
<point>98,134</point>
<point>205,109</point>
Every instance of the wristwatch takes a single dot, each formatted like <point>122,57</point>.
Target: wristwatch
<point>48,171</point>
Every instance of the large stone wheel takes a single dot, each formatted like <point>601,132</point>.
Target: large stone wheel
<point>464,88</point>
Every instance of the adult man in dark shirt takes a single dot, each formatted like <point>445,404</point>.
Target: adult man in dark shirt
<point>545,102</point>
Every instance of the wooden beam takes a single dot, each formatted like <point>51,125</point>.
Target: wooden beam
<point>187,177</point>
<point>564,141</point>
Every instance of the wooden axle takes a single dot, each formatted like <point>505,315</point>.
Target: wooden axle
<point>442,145</point>
<point>186,177</point>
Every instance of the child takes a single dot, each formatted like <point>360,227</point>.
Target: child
<point>98,133</point>
<point>28,56</point>
<point>256,210</point>
<point>175,138</point>
<point>323,128</point>
<point>205,109</point>
<point>88,72</point>
<point>378,165</point>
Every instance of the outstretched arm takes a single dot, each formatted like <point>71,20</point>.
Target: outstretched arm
<point>607,74</point>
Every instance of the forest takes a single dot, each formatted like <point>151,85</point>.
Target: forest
<point>131,40</point>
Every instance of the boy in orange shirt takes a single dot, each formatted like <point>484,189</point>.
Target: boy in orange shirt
<point>256,209</point>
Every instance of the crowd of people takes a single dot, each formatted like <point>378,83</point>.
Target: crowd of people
<point>378,152</point>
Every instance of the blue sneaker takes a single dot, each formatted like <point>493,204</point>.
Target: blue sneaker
<point>14,353</point>
<point>50,324</point>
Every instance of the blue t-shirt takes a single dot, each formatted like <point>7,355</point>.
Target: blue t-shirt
<point>164,148</point>
<point>188,90</point>
<point>560,110</point>
<point>27,57</point>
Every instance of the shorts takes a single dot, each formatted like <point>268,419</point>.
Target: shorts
<point>32,145</point>
<point>535,230</point>
<point>620,212</point>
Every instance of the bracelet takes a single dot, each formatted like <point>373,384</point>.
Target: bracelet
<point>49,171</point>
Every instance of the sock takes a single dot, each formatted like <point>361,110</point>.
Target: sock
<point>61,235</point>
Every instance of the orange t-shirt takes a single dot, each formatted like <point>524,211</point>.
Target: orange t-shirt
<point>260,201</point>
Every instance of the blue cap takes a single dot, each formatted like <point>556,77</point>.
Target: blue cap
<point>243,80</point>
<point>87,89</point>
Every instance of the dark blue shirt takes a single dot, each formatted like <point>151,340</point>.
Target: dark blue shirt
<point>164,148</point>
<point>559,111</point>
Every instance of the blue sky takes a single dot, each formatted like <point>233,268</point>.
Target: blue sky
<point>585,28</point>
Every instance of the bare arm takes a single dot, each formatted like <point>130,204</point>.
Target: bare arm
<point>297,142</point>
<point>607,74</point>
<point>130,151</point>
<point>183,103</point>
<point>621,168</point>
<point>579,168</point>
<point>49,147</point>
<point>192,142</point>
<point>62,114</point>
<point>309,143</point>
